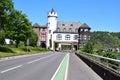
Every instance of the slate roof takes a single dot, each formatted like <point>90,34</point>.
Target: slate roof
<point>39,26</point>
<point>36,25</point>
<point>73,26</point>
<point>84,26</point>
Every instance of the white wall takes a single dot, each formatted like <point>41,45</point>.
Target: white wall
<point>63,37</point>
<point>52,25</point>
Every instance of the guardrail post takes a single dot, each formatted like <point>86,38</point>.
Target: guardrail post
<point>119,68</point>
<point>119,64</point>
<point>107,63</point>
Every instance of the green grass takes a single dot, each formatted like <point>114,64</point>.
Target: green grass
<point>6,51</point>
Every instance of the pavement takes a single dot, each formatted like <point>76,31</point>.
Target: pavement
<point>49,66</point>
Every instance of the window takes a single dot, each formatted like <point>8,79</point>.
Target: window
<point>67,37</point>
<point>59,37</point>
<point>89,37</point>
<point>71,25</point>
<point>58,29</point>
<point>70,30</point>
<point>75,37</point>
<point>81,30</point>
<point>43,29</point>
<point>80,37</point>
<point>49,31</point>
<point>63,24</point>
<point>85,37</point>
<point>85,29</point>
<point>64,29</point>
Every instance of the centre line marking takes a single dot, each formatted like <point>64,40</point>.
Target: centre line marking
<point>40,59</point>
<point>11,69</point>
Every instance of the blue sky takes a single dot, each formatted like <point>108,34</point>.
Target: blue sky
<point>100,15</point>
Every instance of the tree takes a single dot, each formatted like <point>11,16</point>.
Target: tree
<point>88,48</point>
<point>33,39</point>
<point>6,6</point>
<point>14,24</point>
<point>20,28</point>
<point>2,38</point>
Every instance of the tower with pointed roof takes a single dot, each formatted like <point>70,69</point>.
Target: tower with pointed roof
<point>52,25</point>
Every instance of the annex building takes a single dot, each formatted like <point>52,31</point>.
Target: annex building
<point>59,35</point>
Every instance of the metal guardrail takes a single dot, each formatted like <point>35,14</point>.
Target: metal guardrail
<point>113,64</point>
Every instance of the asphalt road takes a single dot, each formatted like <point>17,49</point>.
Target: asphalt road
<point>48,66</point>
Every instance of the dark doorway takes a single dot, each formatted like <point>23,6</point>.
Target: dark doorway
<point>43,45</point>
<point>75,47</point>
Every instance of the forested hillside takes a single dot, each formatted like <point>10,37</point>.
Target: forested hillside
<point>102,40</point>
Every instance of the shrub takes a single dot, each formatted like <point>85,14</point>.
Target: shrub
<point>6,49</point>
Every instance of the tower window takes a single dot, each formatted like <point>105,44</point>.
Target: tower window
<point>86,30</point>
<point>85,37</point>
<point>49,31</point>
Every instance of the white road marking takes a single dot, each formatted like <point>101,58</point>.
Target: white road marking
<point>40,59</point>
<point>11,69</point>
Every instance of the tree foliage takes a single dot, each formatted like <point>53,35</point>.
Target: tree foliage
<point>14,23</point>
<point>88,48</point>
<point>6,6</point>
<point>33,39</point>
<point>102,40</point>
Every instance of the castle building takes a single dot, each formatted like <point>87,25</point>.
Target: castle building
<point>59,35</point>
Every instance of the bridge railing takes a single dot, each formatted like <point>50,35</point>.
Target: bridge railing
<point>113,64</point>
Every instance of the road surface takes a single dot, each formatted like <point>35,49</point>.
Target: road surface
<point>49,66</point>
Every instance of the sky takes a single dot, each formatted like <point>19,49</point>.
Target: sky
<point>100,15</point>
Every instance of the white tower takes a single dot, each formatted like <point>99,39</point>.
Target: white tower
<point>52,25</point>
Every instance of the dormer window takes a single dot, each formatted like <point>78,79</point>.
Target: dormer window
<point>58,29</point>
<point>70,30</point>
<point>76,30</point>
<point>63,24</point>
<point>71,25</point>
<point>64,29</point>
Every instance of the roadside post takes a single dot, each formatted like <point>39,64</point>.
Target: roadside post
<point>27,43</point>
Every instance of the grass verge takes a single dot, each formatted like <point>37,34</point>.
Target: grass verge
<point>6,51</point>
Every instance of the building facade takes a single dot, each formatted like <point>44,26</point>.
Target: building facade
<point>58,35</point>
<point>41,31</point>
